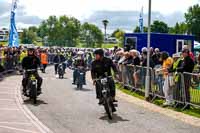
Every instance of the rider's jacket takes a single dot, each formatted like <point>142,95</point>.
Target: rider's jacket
<point>59,58</point>
<point>79,62</point>
<point>102,68</point>
<point>30,62</point>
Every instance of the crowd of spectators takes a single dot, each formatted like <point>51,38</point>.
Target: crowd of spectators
<point>164,69</point>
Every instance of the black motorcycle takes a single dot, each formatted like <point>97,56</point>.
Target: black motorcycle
<point>108,103</point>
<point>61,71</point>
<point>80,77</point>
<point>31,88</point>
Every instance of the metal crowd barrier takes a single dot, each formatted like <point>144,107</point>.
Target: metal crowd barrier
<point>192,89</point>
<point>133,77</point>
<point>186,88</point>
<point>8,65</point>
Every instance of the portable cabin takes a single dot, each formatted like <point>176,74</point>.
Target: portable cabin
<point>171,43</point>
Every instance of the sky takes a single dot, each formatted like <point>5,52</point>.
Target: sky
<point>83,8</point>
<point>32,12</point>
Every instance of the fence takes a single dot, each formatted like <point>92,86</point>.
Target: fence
<point>185,90</point>
<point>11,63</point>
<point>192,89</point>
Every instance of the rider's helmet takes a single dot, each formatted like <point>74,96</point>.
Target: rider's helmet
<point>31,50</point>
<point>80,53</point>
<point>99,52</point>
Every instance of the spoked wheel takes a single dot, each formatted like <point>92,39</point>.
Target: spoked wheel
<point>34,94</point>
<point>109,109</point>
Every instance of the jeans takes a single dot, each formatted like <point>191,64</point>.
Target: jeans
<point>75,75</point>
<point>168,91</point>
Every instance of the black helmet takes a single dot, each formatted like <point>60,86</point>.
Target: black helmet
<point>164,55</point>
<point>99,52</point>
<point>31,49</point>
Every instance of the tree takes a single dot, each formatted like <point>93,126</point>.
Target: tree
<point>179,28</point>
<point>33,28</point>
<point>114,32</point>
<point>137,29</point>
<point>105,23</point>
<point>62,31</point>
<point>119,34</point>
<point>159,27</point>
<point>193,20</point>
<point>92,35</point>
<point>28,36</point>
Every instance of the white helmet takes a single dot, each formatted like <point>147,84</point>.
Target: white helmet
<point>80,53</point>
<point>144,49</point>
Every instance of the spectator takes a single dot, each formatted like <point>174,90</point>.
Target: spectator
<point>135,56</point>
<point>167,64</point>
<point>156,57</point>
<point>44,60</point>
<point>187,66</point>
<point>177,93</point>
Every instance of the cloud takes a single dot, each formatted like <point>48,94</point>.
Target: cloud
<point>128,20</point>
<point>21,17</point>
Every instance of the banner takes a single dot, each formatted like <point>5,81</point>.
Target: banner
<point>13,34</point>
<point>141,21</point>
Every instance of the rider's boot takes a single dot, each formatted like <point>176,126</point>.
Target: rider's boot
<point>114,100</point>
<point>100,101</point>
<point>39,91</point>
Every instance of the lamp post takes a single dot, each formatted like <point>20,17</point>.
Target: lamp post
<point>147,82</point>
<point>105,23</point>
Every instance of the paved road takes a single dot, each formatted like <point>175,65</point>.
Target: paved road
<point>66,110</point>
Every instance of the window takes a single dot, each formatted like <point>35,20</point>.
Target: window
<point>131,42</point>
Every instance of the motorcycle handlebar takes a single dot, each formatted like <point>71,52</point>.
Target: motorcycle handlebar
<point>102,78</point>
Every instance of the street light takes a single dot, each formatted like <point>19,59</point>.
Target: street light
<point>105,23</point>
<point>147,83</point>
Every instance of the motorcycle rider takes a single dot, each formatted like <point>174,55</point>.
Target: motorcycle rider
<point>59,58</point>
<point>31,62</point>
<point>78,63</point>
<point>101,67</point>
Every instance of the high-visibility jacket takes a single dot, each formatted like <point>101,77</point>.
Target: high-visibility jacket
<point>22,55</point>
<point>44,58</point>
<point>175,66</point>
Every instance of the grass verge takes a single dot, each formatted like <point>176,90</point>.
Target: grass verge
<point>193,111</point>
<point>109,45</point>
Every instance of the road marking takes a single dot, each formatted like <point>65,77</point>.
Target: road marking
<point>18,123</point>
<point>8,93</point>
<point>10,109</point>
<point>17,129</point>
<point>11,100</point>
<point>33,119</point>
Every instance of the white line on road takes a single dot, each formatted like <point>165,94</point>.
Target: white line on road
<point>10,109</point>
<point>7,93</point>
<point>18,123</point>
<point>11,100</point>
<point>17,129</point>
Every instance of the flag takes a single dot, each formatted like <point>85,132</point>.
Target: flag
<point>141,21</point>
<point>13,34</point>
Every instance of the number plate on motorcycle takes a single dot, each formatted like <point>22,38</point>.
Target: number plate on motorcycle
<point>103,81</point>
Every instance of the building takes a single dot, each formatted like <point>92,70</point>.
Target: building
<point>171,43</point>
<point>3,35</point>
